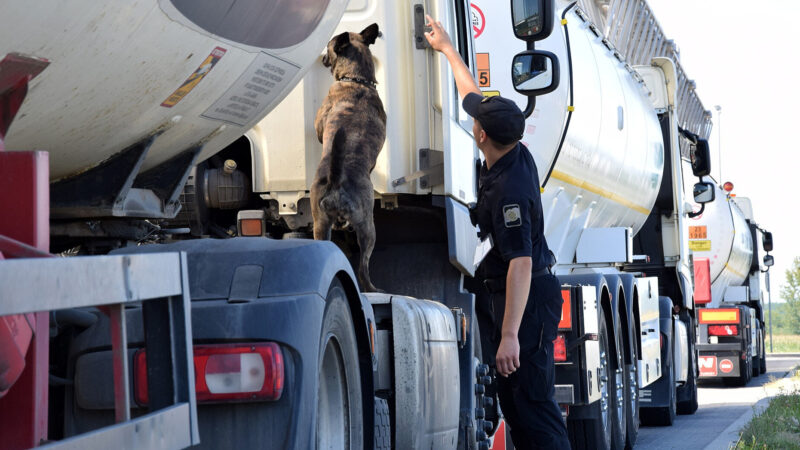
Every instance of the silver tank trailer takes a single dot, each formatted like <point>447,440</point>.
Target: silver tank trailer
<point>195,71</point>
<point>726,242</point>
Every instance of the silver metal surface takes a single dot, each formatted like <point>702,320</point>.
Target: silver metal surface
<point>119,346</point>
<point>30,285</point>
<point>647,294</point>
<point>426,374</point>
<point>592,348</point>
<point>631,28</point>
<point>150,432</point>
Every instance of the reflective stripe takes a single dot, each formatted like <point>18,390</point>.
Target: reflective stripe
<point>599,191</point>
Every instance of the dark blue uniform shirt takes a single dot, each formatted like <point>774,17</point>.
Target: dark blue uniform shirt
<point>510,209</point>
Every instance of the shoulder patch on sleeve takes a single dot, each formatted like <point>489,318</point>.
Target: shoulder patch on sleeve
<point>511,215</point>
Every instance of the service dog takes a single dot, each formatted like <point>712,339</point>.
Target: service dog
<point>351,125</point>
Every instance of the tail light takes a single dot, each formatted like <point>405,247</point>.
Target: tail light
<point>723,330</point>
<point>227,372</point>
<point>560,348</point>
<point>251,222</point>
<point>566,311</point>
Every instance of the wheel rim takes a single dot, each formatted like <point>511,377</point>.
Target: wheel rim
<point>604,412</point>
<point>333,409</point>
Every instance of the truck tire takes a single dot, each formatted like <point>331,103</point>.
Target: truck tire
<point>383,425</point>
<point>689,406</point>
<point>617,387</point>
<point>339,407</point>
<point>756,365</point>
<point>763,361</point>
<point>632,393</point>
<point>596,433</point>
<point>665,415</point>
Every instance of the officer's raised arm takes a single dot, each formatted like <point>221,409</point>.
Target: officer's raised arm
<point>440,42</point>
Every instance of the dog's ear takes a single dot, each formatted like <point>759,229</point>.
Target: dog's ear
<point>341,42</point>
<point>370,33</point>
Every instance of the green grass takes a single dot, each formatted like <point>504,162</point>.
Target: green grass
<point>778,427</point>
<point>783,343</point>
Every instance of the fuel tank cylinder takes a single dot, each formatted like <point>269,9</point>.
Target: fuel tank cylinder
<point>722,235</point>
<point>612,158</point>
<point>190,72</point>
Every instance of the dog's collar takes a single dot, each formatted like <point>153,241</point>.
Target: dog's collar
<point>363,81</point>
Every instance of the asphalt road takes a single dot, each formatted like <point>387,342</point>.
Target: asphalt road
<point>720,407</point>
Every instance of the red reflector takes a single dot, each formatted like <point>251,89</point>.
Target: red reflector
<point>723,330</point>
<point>226,372</point>
<point>560,348</point>
<point>661,339</point>
<point>702,281</point>
<point>566,311</point>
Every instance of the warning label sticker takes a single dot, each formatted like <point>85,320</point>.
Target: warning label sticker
<point>482,63</point>
<point>698,232</point>
<point>478,20</point>
<point>253,91</point>
<point>194,78</point>
<point>700,245</point>
<point>708,366</point>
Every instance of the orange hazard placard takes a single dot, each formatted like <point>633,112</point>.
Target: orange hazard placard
<point>482,63</point>
<point>698,232</point>
<point>194,78</point>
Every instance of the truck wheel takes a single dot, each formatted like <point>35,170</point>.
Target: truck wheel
<point>756,365</point>
<point>617,387</point>
<point>383,425</point>
<point>596,433</point>
<point>689,406</point>
<point>632,393</point>
<point>664,415</point>
<point>339,408</point>
<point>763,361</point>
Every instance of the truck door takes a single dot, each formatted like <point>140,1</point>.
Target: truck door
<point>460,152</point>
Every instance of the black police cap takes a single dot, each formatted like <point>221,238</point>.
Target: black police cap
<point>500,117</point>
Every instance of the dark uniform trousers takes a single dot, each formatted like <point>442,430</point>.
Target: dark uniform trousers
<point>527,395</point>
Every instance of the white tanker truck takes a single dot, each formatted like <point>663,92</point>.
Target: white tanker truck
<point>314,362</point>
<point>731,258</point>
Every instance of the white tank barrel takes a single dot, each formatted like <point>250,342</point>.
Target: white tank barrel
<point>198,71</point>
<point>612,158</point>
<point>722,235</point>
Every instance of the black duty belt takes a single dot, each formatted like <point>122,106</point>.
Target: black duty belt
<point>499,284</point>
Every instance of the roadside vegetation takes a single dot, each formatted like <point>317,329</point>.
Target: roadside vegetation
<point>778,426</point>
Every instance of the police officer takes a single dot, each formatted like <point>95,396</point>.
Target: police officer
<point>519,318</point>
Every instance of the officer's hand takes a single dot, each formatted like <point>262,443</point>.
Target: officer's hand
<point>507,359</point>
<point>437,37</point>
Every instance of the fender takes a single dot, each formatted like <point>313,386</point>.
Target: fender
<point>258,289</point>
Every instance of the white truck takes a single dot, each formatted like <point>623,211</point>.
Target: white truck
<point>287,352</point>
<point>731,258</point>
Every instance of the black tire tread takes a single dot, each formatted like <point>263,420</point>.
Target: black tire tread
<point>383,425</point>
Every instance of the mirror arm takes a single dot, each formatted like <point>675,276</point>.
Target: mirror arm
<point>531,98</point>
<point>692,215</point>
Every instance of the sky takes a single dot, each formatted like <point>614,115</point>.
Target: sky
<point>744,57</point>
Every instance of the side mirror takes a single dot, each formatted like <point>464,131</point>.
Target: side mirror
<point>766,241</point>
<point>703,192</point>
<point>701,158</point>
<point>532,19</point>
<point>769,260</point>
<point>535,72</point>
